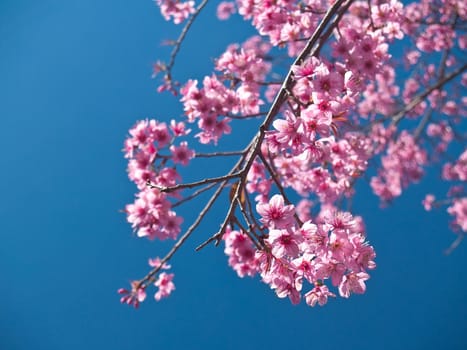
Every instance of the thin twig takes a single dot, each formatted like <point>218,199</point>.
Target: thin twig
<point>397,117</point>
<point>193,184</point>
<point>455,244</point>
<point>421,126</point>
<point>279,185</point>
<point>218,154</point>
<point>253,218</point>
<point>427,117</point>
<point>180,39</point>
<point>248,233</point>
<point>194,194</point>
<point>329,31</point>
<point>246,116</point>
<point>150,277</point>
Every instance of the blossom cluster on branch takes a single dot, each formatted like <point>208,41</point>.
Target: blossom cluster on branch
<point>333,248</point>
<point>347,110</point>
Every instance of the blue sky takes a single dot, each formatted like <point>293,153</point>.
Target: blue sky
<point>74,76</point>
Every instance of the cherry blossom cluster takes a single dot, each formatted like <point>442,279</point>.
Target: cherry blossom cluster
<point>327,168</point>
<point>437,101</point>
<point>402,165</point>
<point>457,195</point>
<point>287,23</point>
<point>347,102</point>
<point>458,209</point>
<point>176,9</point>
<point>137,293</point>
<point>306,154</point>
<point>433,28</point>
<point>440,136</point>
<point>234,91</point>
<point>431,23</point>
<point>241,252</point>
<point>283,22</point>
<point>151,214</point>
<point>334,248</point>
<point>362,48</point>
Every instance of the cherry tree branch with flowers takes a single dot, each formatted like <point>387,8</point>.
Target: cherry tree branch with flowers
<point>344,106</point>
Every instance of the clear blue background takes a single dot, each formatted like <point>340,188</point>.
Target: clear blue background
<point>74,76</point>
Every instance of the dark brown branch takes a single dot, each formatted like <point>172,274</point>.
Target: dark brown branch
<point>255,145</point>
<point>150,277</point>
<point>250,152</point>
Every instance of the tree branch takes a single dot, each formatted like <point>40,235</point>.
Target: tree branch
<point>181,37</point>
<point>254,147</point>
<point>397,117</point>
<point>194,184</point>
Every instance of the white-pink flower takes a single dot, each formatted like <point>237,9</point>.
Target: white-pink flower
<point>353,283</point>
<point>275,214</point>
<point>319,294</point>
<point>165,284</point>
<point>225,9</point>
<point>182,154</point>
<point>284,243</point>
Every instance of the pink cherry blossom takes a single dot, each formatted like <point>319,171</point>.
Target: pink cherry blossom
<point>178,10</point>
<point>459,210</point>
<point>165,284</point>
<point>225,9</point>
<point>284,243</point>
<point>241,252</point>
<point>428,202</point>
<point>135,296</point>
<point>353,283</point>
<point>275,214</point>
<point>182,154</point>
<point>156,262</point>
<point>319,294</point>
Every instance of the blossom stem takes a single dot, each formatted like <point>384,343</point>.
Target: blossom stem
<point>181,37</point>
<point>194,194</point>
<point>150,277</point>
<point>397,117</point>
<point>218,154</point>
<point>254,147</point>
<point>196,183</point>
<point>278,185</point>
